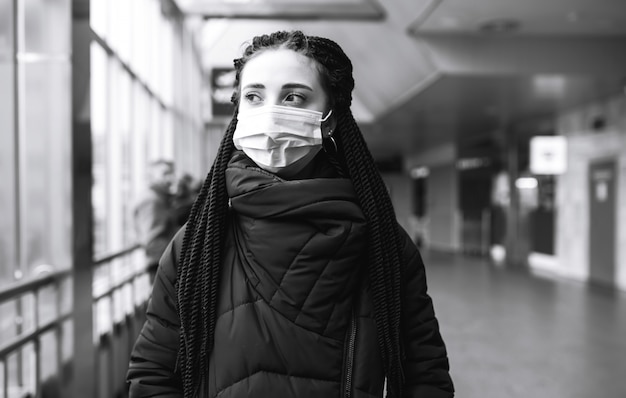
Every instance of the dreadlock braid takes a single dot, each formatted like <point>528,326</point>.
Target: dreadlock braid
<point>385,267</point>
<point>198,272</point>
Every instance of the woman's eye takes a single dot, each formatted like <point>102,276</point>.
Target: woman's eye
<point>294,98</point>
<point>253,98</point>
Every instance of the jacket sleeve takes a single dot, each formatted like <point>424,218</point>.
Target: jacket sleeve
<point>151,371</point>
<point>426,366</point>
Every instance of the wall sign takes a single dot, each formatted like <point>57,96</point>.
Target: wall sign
<point>222,84</point>
<point>548,154</point>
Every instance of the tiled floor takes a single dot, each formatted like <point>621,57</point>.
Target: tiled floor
<point>513,335</point>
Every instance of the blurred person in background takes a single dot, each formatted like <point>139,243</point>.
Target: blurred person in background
<point>154,214</point>
<point>187,189</point>
<point>292,277</point>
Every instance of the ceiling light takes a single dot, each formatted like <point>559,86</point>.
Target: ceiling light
<point>419,172</point>
<point>526,183</point>
<point>550,86</point>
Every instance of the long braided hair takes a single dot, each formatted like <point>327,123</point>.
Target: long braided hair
<point>199,268</point>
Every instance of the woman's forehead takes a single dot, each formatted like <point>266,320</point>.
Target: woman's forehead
<point>282,65</point>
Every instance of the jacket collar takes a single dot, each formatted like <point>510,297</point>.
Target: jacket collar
<point>259,194</point>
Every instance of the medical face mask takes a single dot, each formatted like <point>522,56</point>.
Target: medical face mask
<point>275,136</point>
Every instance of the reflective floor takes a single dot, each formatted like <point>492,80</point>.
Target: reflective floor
<point>510,334</point>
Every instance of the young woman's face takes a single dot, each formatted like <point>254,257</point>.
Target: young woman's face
<point>282,77</point>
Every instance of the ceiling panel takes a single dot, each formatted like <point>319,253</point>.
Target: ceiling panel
<point>284,9</point>
<point>532,17</point>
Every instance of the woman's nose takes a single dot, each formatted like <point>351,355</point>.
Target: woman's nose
<point>272,99</point>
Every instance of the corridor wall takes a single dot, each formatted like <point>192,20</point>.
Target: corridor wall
<point>589,142</point>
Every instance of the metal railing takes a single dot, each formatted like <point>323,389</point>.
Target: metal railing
<point>119,307</point>
<point>36,333</point>
<point>26,327</point>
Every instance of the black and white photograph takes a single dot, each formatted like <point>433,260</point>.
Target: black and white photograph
<point>313,199</point>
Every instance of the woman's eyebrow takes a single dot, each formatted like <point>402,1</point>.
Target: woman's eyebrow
<point>254,85</point>
<point>297,85</point>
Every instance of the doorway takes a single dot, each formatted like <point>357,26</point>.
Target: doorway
<point>602,216</point>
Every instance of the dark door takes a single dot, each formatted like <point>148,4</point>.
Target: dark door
<point>602,216</point>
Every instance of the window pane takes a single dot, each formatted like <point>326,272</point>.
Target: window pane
<point>112,29</point>
<point>140,129</point>
<point>45,175</point>
<point>99,126</point>
<point>127,106</point>
<point>98,17</point>
<point>6,30</point>
<point>123,24</point>
<point>167,73</point>
<point>47,26</point>
<point>139,37</point>
<point>156,133</point>
<point>8,241</point>
<point>118,159</point>
<point>113,158</point>
<point>167,134</point>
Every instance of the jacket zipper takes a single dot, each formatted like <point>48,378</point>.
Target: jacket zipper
<point>347,392</point>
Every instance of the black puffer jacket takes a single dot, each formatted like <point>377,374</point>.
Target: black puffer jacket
<point>295,314</point>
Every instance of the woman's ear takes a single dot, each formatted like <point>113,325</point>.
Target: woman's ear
<point>328,125</point>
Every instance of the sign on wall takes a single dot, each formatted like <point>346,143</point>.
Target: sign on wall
<point>222,84</point>
<point>548,154</point>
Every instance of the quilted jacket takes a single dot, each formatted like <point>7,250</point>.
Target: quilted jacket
<point>294,311</point>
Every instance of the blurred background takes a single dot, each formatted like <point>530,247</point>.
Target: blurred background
<point>499,127</point>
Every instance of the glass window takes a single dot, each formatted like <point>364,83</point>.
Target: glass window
<point>120,161</point>
<point>154,60</point>
<point>8,240</point>
<point>45,167</point>
<point>138,139</point>
<point>139,37</point>
<point>113,32</point>
<point>123,24</point>
<point>6,31</point>
<point>167,134</point>
<point>155,142</point>
<point>112,158</point>
<point>47,26</point>
<point>98,17</point>
<point>167,73</point>
<point>133,111</point>
<point>99,126</point>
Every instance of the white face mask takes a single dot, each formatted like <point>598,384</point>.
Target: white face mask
<point>275,136</point>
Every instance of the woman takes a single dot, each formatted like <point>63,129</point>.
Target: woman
<point>292,277</point>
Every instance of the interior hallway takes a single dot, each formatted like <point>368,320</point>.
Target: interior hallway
<point>511,334</point>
